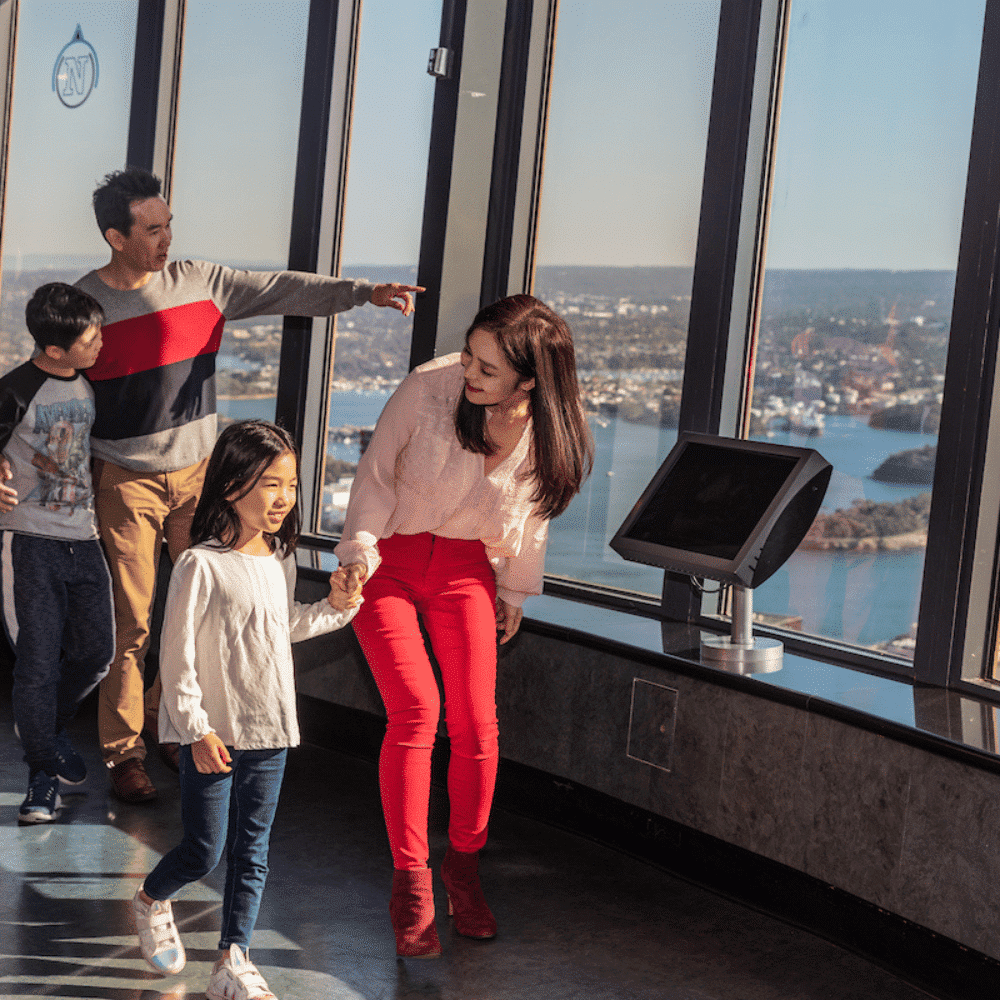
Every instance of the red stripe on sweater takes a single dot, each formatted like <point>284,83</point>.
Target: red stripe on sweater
<point>157,339</point>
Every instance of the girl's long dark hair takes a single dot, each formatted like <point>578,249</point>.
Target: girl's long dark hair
<point>538,345</point>
<point>242,453</point>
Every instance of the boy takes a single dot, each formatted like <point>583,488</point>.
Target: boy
<point>56,588</point>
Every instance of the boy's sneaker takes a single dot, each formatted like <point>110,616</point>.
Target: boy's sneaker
<point>159,941</point>
<point>72,770</point>
<point>237,978</point>
<point>42,801</point>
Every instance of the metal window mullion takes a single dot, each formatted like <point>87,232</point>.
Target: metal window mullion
<point>530,171</point>
<point>722,216</point>
<point>437,191</point>
<point>307,344</point>
<point>957,605</point>
<point>156,80</point>
<point>722,231</point>
<point>751,254</point>
<point>507,151</point>
<point>8,50</point>
<point>460,170</point>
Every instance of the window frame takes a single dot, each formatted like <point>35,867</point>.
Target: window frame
<point>963,565</point>
<point>480,215</point>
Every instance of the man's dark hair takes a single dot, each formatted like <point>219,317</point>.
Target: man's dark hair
<point>114,196</point>
<point>58,313</point>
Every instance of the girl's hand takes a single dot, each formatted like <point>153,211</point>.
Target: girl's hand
<point>508,620</point>
<point>349,578</point>
<point>210,755</point>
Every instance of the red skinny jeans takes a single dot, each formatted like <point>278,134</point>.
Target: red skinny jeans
<point>449,585</point>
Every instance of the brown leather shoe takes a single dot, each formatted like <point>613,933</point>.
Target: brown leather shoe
<point>131,783</point>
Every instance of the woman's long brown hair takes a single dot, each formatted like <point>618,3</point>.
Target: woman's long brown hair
<point>538,345</point>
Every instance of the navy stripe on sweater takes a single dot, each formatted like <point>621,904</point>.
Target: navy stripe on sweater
<point>156,400</point>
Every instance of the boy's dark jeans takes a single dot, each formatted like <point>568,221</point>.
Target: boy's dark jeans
<point>57,612</point>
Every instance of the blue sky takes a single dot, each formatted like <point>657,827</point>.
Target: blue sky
<point>874,134</point>
<point>871,164</point>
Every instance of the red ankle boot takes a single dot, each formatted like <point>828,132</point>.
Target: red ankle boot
<point>466,903</point>
<point>411,910</point>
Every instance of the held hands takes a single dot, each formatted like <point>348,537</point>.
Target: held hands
<point>345,587</point>
<point>508,620</point>
<point>395,295</point>
<point>8,495</point>
<point>210,755</point>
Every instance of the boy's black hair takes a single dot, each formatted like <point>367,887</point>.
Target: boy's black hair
<point>114,196</point>
<point>58,313</point>
<point>242,453</point>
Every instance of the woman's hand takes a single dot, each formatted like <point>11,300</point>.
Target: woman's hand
<point>355,575</point>
<point>395,295</point>
<point>210,755</point>
<point>345,587</point>
<point>508,620</point>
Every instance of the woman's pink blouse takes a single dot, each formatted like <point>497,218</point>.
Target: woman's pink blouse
<point>415,476</point>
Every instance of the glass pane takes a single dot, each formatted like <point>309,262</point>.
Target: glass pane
<point>616,243</point>
<point>234,172</point>
<point>382,219</point>
<point>869,184</point>
<point>69,128</point>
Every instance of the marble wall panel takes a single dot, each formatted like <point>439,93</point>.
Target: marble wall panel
<point>949,869</point>
<point>857,784</point>
<point>602,697</point>
<point>761,802</point>
<point>569,716</point>
<point>689,792</point>
<point>535,681</point>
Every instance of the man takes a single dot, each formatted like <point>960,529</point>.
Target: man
<point>154,384</point>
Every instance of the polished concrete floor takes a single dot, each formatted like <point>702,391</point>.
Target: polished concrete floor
<point>576,920</point>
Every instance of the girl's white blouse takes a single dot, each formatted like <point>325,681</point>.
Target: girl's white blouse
<point>415,476</point>
<point>226,648</point>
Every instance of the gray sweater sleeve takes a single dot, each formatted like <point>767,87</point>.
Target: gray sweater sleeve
<point>240,294</point>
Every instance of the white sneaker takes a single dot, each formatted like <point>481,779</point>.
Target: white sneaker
<point>159,941</point>
<point>237,978</point>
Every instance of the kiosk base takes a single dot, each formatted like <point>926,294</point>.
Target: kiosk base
<point>762,656</point>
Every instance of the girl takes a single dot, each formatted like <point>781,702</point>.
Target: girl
<point>472,456</point>
<point>228,691</point>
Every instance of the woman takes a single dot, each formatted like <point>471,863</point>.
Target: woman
<point>472,456</point>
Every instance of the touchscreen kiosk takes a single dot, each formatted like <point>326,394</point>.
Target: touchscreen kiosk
<point>727,510</point>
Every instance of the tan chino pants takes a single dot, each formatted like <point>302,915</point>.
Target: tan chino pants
<point>136,512</point>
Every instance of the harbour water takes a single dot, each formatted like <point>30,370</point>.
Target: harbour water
<point>861,598</point>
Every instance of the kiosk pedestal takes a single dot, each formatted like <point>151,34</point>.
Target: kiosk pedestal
<point>742,653</point>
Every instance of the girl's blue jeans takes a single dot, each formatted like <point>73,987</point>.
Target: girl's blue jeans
<point>225,812</point>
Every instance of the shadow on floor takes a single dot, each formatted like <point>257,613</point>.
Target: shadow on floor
<point>577,920</point>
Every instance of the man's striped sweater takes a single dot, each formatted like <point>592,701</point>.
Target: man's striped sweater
<point>154,381</point>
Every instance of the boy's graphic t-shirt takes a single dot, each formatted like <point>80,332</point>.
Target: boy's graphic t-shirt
<point>45,426</point>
